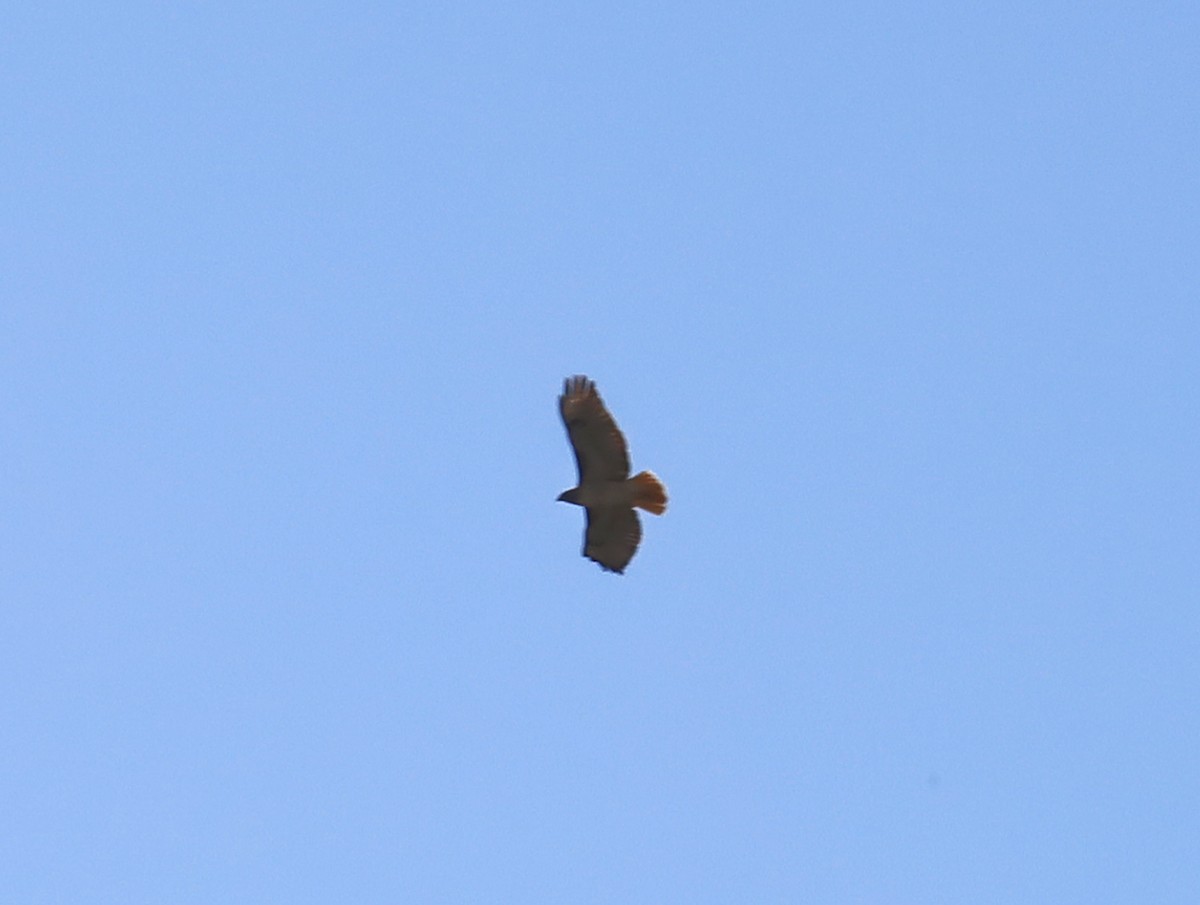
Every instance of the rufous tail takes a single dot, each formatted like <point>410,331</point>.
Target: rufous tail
<point>649,493</point>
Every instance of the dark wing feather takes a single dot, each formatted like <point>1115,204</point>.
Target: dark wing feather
<point>611,537</point>
<point>600,450</point>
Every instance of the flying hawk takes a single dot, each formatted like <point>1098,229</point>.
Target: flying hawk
<point>605,489</point>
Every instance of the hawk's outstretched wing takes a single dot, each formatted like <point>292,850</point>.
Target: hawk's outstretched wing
<point>600,450</point>
<point>611,537</point>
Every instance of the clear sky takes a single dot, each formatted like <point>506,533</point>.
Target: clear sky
<point>900,301</point>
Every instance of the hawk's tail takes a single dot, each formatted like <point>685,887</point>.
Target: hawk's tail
<point>649,493</point>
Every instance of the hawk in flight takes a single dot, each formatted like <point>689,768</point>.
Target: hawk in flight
<point>605,488</point>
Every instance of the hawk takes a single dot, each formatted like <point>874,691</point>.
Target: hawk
<point>605,489</point>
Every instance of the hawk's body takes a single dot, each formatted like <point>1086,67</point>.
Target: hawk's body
<point>605,489</point>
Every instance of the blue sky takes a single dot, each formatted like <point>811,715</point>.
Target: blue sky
<point>900,302</point>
